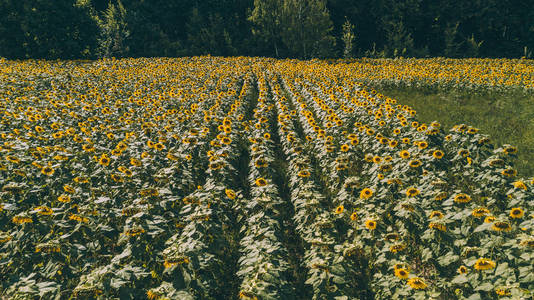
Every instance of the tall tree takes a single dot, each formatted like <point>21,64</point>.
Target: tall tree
<point>307,28</point>
<point>267,18</point>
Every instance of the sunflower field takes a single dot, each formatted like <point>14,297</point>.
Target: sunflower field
<point>253,178</point>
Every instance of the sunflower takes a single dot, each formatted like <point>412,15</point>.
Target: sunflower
<point>503,292</point>
<point>440,196</point>
<point>462,198</point>
<point>484,264</point>
<point>104,160</point>
<point>261,181</point>
<point>489,219</point>
<point>412,192</point>
<point>480,212</point>
<point>463,152</point>
<point>354,216</point>
<point>510,150</point>
<point>462,270</point>
<point>13,159</point>
<point>159,146</point>
<point>377,159</point>
<point>135,162</point>
<point>88,148</point>
<point>516,213</point>
<point>422,145</point>
<point>44,210</point>
<point>438,154</point>
<point>345,148</point>
<point>67,188</point>
<point>230,194</point>
<point>21,220</point>
<point>260,163</point>
<point>397,248</point>
<point>402,273</point>
<point>48,171</point>
<point>339,209</point>
<point>520,185</point>
<point>438,226</point>
<point>415,163</point>
<point>501,226</point>
<point>509,172</point>
<point>370,224</point>
<point>436,214</point>
<point>304,173</point>
<point>64,198</point>
<point>267,136</point>
<point>116,152</point>
<point>366,193</point>
<point>416,283</point>
<point>404,154</point>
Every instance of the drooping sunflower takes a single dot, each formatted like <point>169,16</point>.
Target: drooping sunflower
<point>415,163</point>
<point>417,283</point>
<point>480,212</point>
<point>436,214</point>
<point>437,226</point>
<point>397,248</point>
<point>484,264</point>
<point>501,226</point>
<point>462,198</point>
<point>509,172</point>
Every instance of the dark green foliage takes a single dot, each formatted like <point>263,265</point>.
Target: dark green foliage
<point>281,28</point>
<point>47,29</point>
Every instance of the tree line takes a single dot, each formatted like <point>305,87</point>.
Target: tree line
<point>85,29</point>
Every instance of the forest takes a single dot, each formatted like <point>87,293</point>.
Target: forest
<point>303,29</point>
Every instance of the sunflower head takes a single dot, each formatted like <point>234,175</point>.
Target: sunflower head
<point>402,273</point>
<point>370,224</point>
<point>366,193</point>
<point>261,181</point>
<point>412,192</point>
<point>516,213</point>
<point>417,283</point>
<point>47,170</point>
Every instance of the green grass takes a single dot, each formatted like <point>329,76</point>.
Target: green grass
<point>507,117</point>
